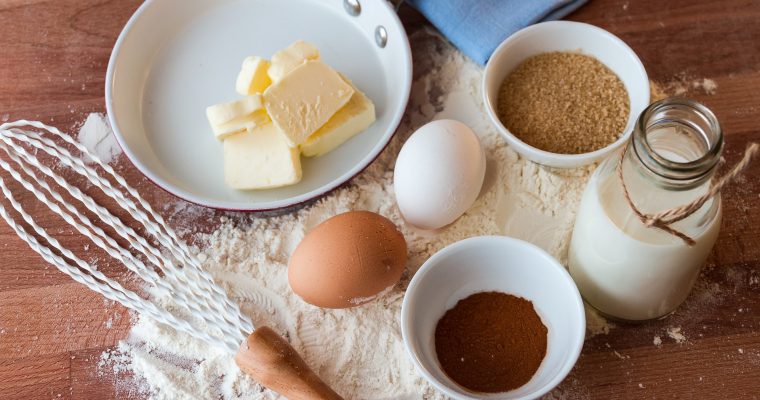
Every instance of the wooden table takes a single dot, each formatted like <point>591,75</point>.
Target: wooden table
<point>53,57</point>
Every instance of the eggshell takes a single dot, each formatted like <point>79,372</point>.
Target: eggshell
<point>348,260</point>
<point>439,173</point>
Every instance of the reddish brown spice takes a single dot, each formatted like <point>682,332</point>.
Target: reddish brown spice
<point>491,342</point>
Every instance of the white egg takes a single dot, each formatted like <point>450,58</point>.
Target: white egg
<point>439,173</point>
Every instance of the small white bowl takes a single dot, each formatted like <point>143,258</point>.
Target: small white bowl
<point>566,36</point>
<point>503,264</point>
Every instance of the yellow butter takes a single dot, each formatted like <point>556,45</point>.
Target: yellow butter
<point>237,116</point>
<point>260,158</point>
<point>354,117</point>
<point>305,99</point>
<point>287,59</point>
<point>253,76</point>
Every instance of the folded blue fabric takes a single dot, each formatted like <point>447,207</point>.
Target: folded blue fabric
<point>477,27</point>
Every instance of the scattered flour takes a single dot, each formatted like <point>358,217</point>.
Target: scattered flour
<point>657,341</point>
<point>97,136</point>
<point>358,351</point>
<point>682,85</point>
<point>706,85</point>
<point>595,323</point>
<point>676,334</point>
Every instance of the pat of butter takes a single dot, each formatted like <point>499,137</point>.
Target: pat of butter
<point>237,116</point>
<point>305,100</point>
<point>260,158</point>
<point>253,77</point>
<point>355,117</point>
<point>291,57</point>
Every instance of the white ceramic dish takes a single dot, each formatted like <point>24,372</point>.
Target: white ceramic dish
<point>494,263</point>
<point>566,36</point>
<point>176,57</point>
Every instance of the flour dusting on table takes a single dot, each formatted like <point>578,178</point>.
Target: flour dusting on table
<point>358,351</point>
<point>97,136</point>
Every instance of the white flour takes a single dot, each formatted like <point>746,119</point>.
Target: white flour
<point>676,334</point>
<point>97,136</point>
<point>358,351</point>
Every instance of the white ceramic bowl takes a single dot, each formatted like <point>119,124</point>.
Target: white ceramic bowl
<point>503,264</point>
<point>566,36</point>
<point>176,57</point>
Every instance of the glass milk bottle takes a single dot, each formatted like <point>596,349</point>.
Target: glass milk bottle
<point>623,267</point>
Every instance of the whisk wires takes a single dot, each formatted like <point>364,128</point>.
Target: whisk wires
<point>182,277</point>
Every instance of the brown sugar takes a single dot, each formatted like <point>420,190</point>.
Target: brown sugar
<point>563,102</point>
<point>491,342</point>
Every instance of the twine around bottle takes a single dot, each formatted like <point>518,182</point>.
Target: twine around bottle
<point>664,219</point>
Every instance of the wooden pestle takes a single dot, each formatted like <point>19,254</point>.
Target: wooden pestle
<point>269,359</point>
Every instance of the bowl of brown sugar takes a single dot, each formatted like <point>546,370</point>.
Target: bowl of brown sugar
<point>493,317</point>
<point>565,94</point>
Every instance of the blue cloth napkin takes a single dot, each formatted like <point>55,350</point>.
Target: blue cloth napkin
<point>477,27</point>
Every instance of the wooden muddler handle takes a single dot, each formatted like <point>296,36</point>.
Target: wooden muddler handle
<point>269,359</point>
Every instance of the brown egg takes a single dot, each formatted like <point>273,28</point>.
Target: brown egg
<point>347,260</point>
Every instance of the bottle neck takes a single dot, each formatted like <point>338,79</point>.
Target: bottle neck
<point>677,143</point>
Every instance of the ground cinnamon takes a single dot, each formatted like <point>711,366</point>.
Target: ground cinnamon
<point>491,342</point>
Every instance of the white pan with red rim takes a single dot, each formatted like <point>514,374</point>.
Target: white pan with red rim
<point>176,57</point>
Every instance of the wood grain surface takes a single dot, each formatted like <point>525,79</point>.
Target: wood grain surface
<point>53,58</point>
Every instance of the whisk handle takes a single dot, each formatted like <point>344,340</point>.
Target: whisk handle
<point>269,359</point>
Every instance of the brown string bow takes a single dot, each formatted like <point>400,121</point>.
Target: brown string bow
<point>664,219</point>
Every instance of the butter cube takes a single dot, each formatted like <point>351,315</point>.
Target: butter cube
<point>287,59</point>
<point>237,116</point>
<point>353,118</point>
<point>305,99</point>
<point>260,158</point>
<point>253,76</point>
